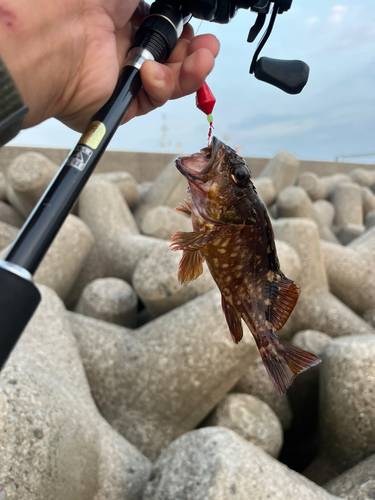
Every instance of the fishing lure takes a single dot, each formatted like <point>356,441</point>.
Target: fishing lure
<point>205,101</point>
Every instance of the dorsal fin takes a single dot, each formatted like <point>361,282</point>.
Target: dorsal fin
<point>283,295</point>
<point>190,267</point>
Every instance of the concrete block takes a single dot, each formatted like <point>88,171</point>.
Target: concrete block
<point>28,177</point>
<point>330,182</point>
<point>155,281</point>
<point>368,200</point>
<point>347,404</point>
<point>257,383</point>
<point>54,442</point>
<point>126,183</point>
<point>109,299</point>
<point>162,222</point>
<point>168,189</point>
<point>311,183</point>
<point>362,176</point>
<point>356,483</point>
<point>155,383</point>
<point>370,219</point>
<point>250,418</point>
<point>10,215</point>
<point>351,275</point>
<point>316,308</point>
<point>282,169</point>
<point>265,189</point>
<point>349,232</point>
<point>293,201</point>
<point>215,463</point>
<point>8,234</point>
<point>66,257</point>
<point>347,200</point>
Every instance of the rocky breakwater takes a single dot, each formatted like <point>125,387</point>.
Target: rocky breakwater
<point>122,366</point>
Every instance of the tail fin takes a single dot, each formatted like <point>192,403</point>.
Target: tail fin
<point>284,361</point>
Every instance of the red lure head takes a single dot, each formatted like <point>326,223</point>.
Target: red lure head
<point>205,101</point>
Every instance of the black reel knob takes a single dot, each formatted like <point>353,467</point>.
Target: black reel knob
<point>289,76</point>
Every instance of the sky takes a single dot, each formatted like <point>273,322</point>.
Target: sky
<point>333,116</point>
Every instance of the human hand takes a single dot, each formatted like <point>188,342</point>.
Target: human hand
<point>65,57</point>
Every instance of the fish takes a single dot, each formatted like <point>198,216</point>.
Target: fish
<point>233,233</point>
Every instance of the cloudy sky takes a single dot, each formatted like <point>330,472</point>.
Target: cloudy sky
<point>334,115</point>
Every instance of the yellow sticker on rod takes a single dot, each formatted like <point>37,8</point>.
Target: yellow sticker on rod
<point>93,135</point>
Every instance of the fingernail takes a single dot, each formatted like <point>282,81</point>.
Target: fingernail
<point>159,72</point>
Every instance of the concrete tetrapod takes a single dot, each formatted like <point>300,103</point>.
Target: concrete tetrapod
<point>215,463</point>
<point>3,187</point>
<point>293,201</point>
<point>8,234</point>
<point>159,381</point>
<point>282,169</point>
<point>28,177</point>
<point>265,189</point>
<point>156,283</point>
<point>351,275</point>
<point>168,189</point>
<point>331,181</point>
<point>357,483</point>
<point>162,222</point>
<point>66,256</point>
<point>347,403</point>
<point>54,442</point>
<point>125,182</point>
<point>251,418</point>
<point>109,299</point>
<point>10,215</point>
<point>118,245</point>
<point>347,200</point>
<point>256,382</point>
<point>316,308</point>
<point>311,183</point>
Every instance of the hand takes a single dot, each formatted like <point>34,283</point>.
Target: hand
<point>65,57</point>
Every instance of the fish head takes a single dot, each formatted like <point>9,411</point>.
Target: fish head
<point>219,183</point>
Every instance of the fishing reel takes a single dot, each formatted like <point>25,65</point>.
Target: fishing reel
<point>289,76</point>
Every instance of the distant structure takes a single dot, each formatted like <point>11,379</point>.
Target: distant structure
<point>368,155</point>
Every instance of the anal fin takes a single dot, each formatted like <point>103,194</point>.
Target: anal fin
<point>284,361</point>
<point>233,319</point>
<point>283,296</point>
<point>191,266</point>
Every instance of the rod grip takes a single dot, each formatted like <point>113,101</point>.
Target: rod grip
<point>19,298</point>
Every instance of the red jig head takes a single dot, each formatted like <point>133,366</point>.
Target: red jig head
<point>205,101</point>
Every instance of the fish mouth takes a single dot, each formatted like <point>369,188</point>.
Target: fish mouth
<point>197,166</point>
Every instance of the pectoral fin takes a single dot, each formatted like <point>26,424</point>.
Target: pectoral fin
<point>191,266</point>
<point>283,295</point>
<point>190,241</point>
<point>186,210</point>
<point>233,319</point>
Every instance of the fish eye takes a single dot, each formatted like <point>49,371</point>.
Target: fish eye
<point>240,175</point>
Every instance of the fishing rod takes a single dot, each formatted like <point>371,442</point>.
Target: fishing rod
<point>155,40</point>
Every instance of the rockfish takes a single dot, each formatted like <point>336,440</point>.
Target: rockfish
<point>233,233</point>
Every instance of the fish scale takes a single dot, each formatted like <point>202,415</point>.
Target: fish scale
<point>233,233</point>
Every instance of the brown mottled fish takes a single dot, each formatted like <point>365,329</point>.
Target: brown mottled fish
<point>233,233</point>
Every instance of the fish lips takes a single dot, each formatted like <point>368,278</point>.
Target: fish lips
<point>197,167</point>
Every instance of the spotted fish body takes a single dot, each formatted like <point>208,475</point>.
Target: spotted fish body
<point>233,233</point>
